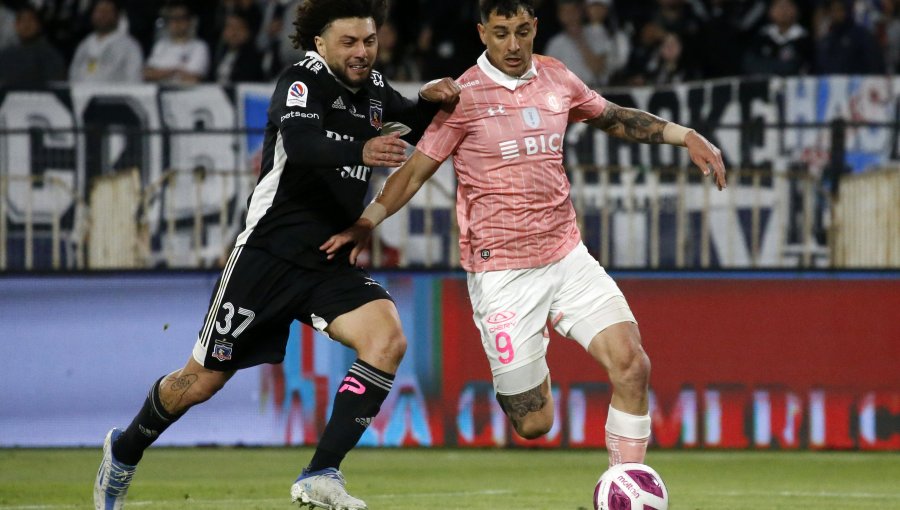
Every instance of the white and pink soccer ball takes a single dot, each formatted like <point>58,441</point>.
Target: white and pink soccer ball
<point>631,486</point>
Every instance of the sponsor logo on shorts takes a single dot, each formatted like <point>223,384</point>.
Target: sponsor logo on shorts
<point>501,320</point>
<point>222,350</point>
<point>501,317</point>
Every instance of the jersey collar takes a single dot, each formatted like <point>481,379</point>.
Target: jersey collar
<point>318,58</point>
<point>503,79</point>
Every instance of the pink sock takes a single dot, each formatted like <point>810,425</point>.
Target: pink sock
<point>624,449</point>
<point>627,436</point>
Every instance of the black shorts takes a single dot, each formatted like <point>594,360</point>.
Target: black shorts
<point>257,297</point>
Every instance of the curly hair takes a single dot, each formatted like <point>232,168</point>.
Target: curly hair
<point>507,8</point>
<point>314,16</point>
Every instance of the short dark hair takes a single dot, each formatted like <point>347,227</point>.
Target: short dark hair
<point>115,3</point>
<point>508,8</point>
<point>30,9</point>
<point>179,5</point>
<point>314,16</point>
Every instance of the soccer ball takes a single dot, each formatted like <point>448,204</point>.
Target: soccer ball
<point>631,486</point>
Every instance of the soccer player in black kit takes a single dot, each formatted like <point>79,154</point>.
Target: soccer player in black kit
<point>322,138</point>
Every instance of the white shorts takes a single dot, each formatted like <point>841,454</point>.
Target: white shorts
<point>511,309</point>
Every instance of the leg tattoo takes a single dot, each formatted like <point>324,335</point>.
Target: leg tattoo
<point>176,387</point>
<point>518,406</point>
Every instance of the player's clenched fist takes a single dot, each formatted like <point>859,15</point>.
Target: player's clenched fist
<point>385,151</point>
<point>444,90</point>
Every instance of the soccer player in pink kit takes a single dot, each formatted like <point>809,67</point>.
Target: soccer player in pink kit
<point>519,241</point>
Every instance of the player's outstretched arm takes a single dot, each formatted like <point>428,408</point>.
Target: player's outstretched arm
<point>398,189</point>
<point>639,126</point>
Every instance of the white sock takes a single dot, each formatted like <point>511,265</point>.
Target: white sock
<point>627,436</point>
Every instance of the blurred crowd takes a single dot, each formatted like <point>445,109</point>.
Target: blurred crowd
<point>605,42</point>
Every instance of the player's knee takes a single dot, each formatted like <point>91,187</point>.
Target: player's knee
<point>396,347</point>
<point>390,345</point>
<point>633,366</point>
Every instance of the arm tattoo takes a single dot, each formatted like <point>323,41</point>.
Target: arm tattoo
<point>518,406</point>
<point>630,124</point>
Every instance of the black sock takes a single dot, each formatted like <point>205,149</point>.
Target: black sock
<point>149,423</point>
<point>355,405</point>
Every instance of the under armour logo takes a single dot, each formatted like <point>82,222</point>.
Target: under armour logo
<point>496,110</point>
<point>351,384</point>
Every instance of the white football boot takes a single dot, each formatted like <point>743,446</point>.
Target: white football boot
<point>324,489</point>
<point>113,478</point>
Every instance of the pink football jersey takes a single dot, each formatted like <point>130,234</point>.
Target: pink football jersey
<point>506,138</point>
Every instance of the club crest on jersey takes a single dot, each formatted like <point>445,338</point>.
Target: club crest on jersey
<point>485,254</point>
<point>532,117</point>
<point>297,94</point>
<point>222,350</point>
<point>375,114</point>
<point>553,102</point>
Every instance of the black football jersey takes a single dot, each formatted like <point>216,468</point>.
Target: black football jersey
<point>312,181</point>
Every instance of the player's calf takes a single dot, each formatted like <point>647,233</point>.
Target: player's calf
<point>618,348</point>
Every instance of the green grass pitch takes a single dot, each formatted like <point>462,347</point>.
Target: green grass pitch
<point>446,479</point>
